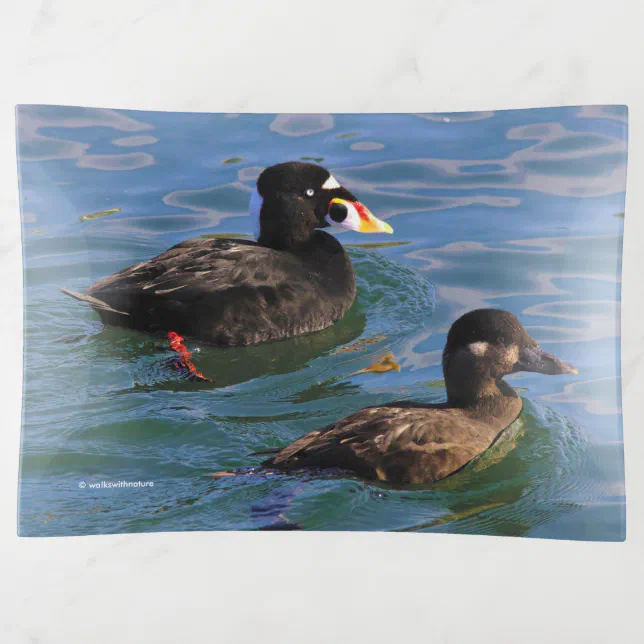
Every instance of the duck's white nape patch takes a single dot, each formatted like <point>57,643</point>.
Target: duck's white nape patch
<point>478,348</point>
<point>330,183</point>
<point>254,210</point>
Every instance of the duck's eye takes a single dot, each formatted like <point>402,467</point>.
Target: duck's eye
<point>310,192</point>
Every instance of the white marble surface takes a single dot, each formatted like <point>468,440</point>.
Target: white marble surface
<point>324,56</point>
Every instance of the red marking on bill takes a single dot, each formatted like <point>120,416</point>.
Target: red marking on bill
<point>363,212</point>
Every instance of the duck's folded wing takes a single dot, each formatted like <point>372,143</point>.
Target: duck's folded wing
<point>209,288</point>
<point>190,268</point>
<point>396,444</point>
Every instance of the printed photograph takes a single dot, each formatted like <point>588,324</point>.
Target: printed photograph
<point>358,322</point>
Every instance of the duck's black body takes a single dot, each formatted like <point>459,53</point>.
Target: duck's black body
<point>295,279</point>
<point>409,443</point>
<point>230,292</point>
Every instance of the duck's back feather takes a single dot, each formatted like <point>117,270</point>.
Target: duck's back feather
<point>401,443</point>
<point>228,292</point>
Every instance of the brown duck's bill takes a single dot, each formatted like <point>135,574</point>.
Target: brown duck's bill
<point>534,358</point>
<point>360,218</point>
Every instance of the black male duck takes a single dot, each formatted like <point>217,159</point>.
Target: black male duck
<point>295,279</point>
<point>409,443</point>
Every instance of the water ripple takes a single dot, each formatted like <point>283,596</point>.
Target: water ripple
<point>520,209</point>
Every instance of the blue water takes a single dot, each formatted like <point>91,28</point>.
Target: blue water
<point>521,210</point>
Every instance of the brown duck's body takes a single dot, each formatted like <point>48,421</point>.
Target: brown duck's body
<point>406,443</point>
<point>412,443</point>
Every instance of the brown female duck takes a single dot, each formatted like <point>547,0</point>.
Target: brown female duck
<point>409,443</point>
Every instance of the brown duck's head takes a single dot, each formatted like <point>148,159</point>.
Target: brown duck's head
<point>293,199</point>
<point>487,344</point>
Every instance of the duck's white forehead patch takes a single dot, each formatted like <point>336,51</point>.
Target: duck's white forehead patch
<point>478,348</point>
<point>330,183</point>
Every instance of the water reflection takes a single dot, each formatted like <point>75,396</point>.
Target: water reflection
<point>301,124</point>
<point>135,141</point>
<point>456,117</point>
<point>516,209</point>
<point>34,146</point>
<point>131,161</point>
<point>234,365</point>
<point>367,146</point>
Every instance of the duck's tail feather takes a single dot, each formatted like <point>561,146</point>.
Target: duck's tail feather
<point>94,302</point>
<point>224,473</point>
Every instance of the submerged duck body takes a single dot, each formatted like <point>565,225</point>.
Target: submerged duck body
<point>412,443</point>
<point>295,279</point>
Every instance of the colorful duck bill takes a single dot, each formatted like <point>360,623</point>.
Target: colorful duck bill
<point>355,216</point>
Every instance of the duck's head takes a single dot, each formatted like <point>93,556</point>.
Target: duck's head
<point>487,344</point>
<point>292,199</point>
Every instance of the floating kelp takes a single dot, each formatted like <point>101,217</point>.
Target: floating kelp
<point>37,230</point>
<point>232,160</point>
<point>619,214</point>
<point>385,364</point>
<point>360,345</point>
<point>316,159</point>
<point>100,213</point>
<point>348,135</point>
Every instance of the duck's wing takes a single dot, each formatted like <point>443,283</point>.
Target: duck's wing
<point>396,444</point>
<point>223,291</point>
<point>180,270</point>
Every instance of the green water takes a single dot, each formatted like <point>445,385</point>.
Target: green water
<point>508,209</point>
